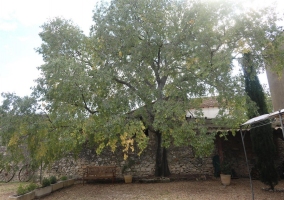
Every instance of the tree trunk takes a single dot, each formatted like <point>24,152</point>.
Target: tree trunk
<point>162,167</point>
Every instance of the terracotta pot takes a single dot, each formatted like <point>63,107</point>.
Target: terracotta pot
<point>128,178</point>
<point>225,179</point>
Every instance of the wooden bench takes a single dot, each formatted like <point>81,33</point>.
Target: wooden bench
<point>99,172</point>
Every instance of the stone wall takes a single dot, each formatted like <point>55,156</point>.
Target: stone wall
<point>233,150</point>
<point>181,159</point>
<point>181,162</point>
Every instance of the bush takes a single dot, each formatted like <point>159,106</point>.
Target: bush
<point>127,166</point>
<point>45,182</point>
<point>31,187</point>
<point>53,180</point>
<point>23,190</point>
<point>63,178</point>
<point>226,167</point>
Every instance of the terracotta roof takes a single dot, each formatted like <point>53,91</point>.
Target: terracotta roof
<point>209,102</point>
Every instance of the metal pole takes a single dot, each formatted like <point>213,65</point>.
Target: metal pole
<point>251,186</point>
<point>281,123</point>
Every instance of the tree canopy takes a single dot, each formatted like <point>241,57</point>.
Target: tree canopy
<point>144,64</point>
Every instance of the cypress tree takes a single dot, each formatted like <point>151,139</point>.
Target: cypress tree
<point>261,136</point>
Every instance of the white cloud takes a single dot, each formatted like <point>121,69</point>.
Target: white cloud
<point>19,76</point>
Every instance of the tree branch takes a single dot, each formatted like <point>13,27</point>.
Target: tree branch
<point>86,107</point>
<point>85,103</point>
<point>125,83</point>
<point>154,68</point>
<point>148,83</point>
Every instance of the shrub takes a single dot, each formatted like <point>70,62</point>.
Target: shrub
<point>63,178</point>
<point>45,182</point>
<point>28,188</point>
<point>31,187</point>
<point>52,179</point>
<point>127,166</point>
<point>226,167</point>
<point>21,190</point>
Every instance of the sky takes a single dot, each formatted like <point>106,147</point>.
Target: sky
<point>20,22</point>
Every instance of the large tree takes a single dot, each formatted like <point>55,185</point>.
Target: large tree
<point>142,66</point>
<point>261,135</point>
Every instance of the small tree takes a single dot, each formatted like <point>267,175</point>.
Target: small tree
<point>261,136</point>
<point>28,134</point>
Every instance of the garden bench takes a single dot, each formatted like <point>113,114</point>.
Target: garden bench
<point>99,172</point>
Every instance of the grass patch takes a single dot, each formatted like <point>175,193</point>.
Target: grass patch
<point>10,187</point>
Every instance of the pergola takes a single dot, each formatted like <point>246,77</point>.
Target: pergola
<point>260,121</point>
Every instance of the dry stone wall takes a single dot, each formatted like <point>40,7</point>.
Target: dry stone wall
<point>181,162</point>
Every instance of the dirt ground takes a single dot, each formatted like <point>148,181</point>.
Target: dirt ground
<point>189,190</point>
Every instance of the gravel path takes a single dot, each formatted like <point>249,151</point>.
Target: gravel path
<point>195,190</point>
<point>189,190</point>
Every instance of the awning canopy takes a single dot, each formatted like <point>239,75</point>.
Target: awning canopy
<point>264,117</point>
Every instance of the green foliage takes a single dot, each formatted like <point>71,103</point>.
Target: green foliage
<point>53,179</point>
<point>156,57</point>
<point>63,178</point>
<point>31,186</point>
<point>127,166</point>
<point>268,101</point>
<point>23,127</point>
<point>253,88</point>
<point>264,148</point>
<point>226,167</point>
<point>26,189</point>
<point>45,182</point>
<point>261,135</point>
<point>21,190</point>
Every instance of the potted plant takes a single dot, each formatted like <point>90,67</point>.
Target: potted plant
<point>45,189</point>
<point>67,182</point>
<point>126,171</point>
<point>64,180</point>
<point>55,185</point>
<point>226,171</point>
<point>25,193</point>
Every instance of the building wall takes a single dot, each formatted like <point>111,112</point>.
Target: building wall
<point>208,112</point>
<point>276,85</point>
